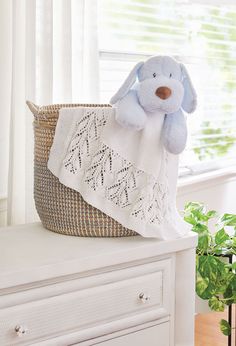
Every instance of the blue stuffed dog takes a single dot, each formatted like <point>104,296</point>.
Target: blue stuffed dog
<point>163,84</point>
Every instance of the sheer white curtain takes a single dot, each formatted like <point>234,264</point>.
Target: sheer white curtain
<point>50,55</point>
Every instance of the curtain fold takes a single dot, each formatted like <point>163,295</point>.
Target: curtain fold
<point>62,64</point>
<point>85,54</point>
<point>53,58</point>
<point>44,51</point>
<point>30,94</point>
<point>16,175</point>
<point>5,97</point>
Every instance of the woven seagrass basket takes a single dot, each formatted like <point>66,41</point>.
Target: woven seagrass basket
<point>60,208</point>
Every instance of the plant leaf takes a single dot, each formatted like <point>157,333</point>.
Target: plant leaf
<point>190,219</point>
<point>203,242</point>
<point>197,262</point>
<point>225,327</point>
<point>200,228</point>
<point>193,206</point>
<point>211,214</point>
<point>233,250</point>
<point>213,268</point>
<point>229,219</point>
<point>201,285</point>
<point>203,236</point>
<point>230,289</point>
<point>215,304</point>
<point>221,236</point>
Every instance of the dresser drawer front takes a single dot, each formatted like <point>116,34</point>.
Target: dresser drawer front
<point>154,336</point>
<point>89,307</point>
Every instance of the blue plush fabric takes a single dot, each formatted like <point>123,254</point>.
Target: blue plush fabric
<point>160,83</point>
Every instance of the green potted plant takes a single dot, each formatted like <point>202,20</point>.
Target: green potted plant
<point>215,276</point>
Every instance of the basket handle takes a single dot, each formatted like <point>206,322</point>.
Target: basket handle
<point>33,107</point>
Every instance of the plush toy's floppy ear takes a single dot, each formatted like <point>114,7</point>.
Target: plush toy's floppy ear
<point>190,97</point>
<point>128,83</point>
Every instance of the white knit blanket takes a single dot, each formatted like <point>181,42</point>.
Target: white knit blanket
<point>126,174</point>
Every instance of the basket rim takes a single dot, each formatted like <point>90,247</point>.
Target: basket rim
<point>52,109</point>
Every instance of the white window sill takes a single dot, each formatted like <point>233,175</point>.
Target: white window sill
<point>222,173</point>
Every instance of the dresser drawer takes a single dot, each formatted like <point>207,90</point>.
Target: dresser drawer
<point>154,336</point>
<point>90,307</point>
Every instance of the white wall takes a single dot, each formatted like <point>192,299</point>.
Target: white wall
<point>217,193</point>
<point>3,211</point>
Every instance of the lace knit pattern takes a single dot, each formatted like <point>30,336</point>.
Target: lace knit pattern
<point>110,175</point>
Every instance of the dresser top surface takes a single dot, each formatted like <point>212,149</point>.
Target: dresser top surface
<point>30,252</point>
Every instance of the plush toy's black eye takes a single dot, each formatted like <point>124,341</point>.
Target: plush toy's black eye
<point>154,75</point>
<point>170,75</point>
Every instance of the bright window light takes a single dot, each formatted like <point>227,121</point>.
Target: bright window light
<point>201,36</point>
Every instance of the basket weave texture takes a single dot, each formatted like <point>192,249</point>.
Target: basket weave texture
<point>60,208</point>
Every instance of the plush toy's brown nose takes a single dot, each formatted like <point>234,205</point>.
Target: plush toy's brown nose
<point>163,92</point>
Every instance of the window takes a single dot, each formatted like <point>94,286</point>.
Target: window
<point>201,36</point>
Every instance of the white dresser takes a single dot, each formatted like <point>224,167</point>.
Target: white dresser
<point>60,290</point>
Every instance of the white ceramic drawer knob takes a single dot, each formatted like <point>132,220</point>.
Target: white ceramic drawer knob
<point>144,297</point>
<point>21,330</point>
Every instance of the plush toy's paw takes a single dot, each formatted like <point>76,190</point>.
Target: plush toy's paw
<point>129,113</point>
<point>174,133</point>
<point>132,121</point>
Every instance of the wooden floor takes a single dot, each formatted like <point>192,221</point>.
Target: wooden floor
<point>207,332</point>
